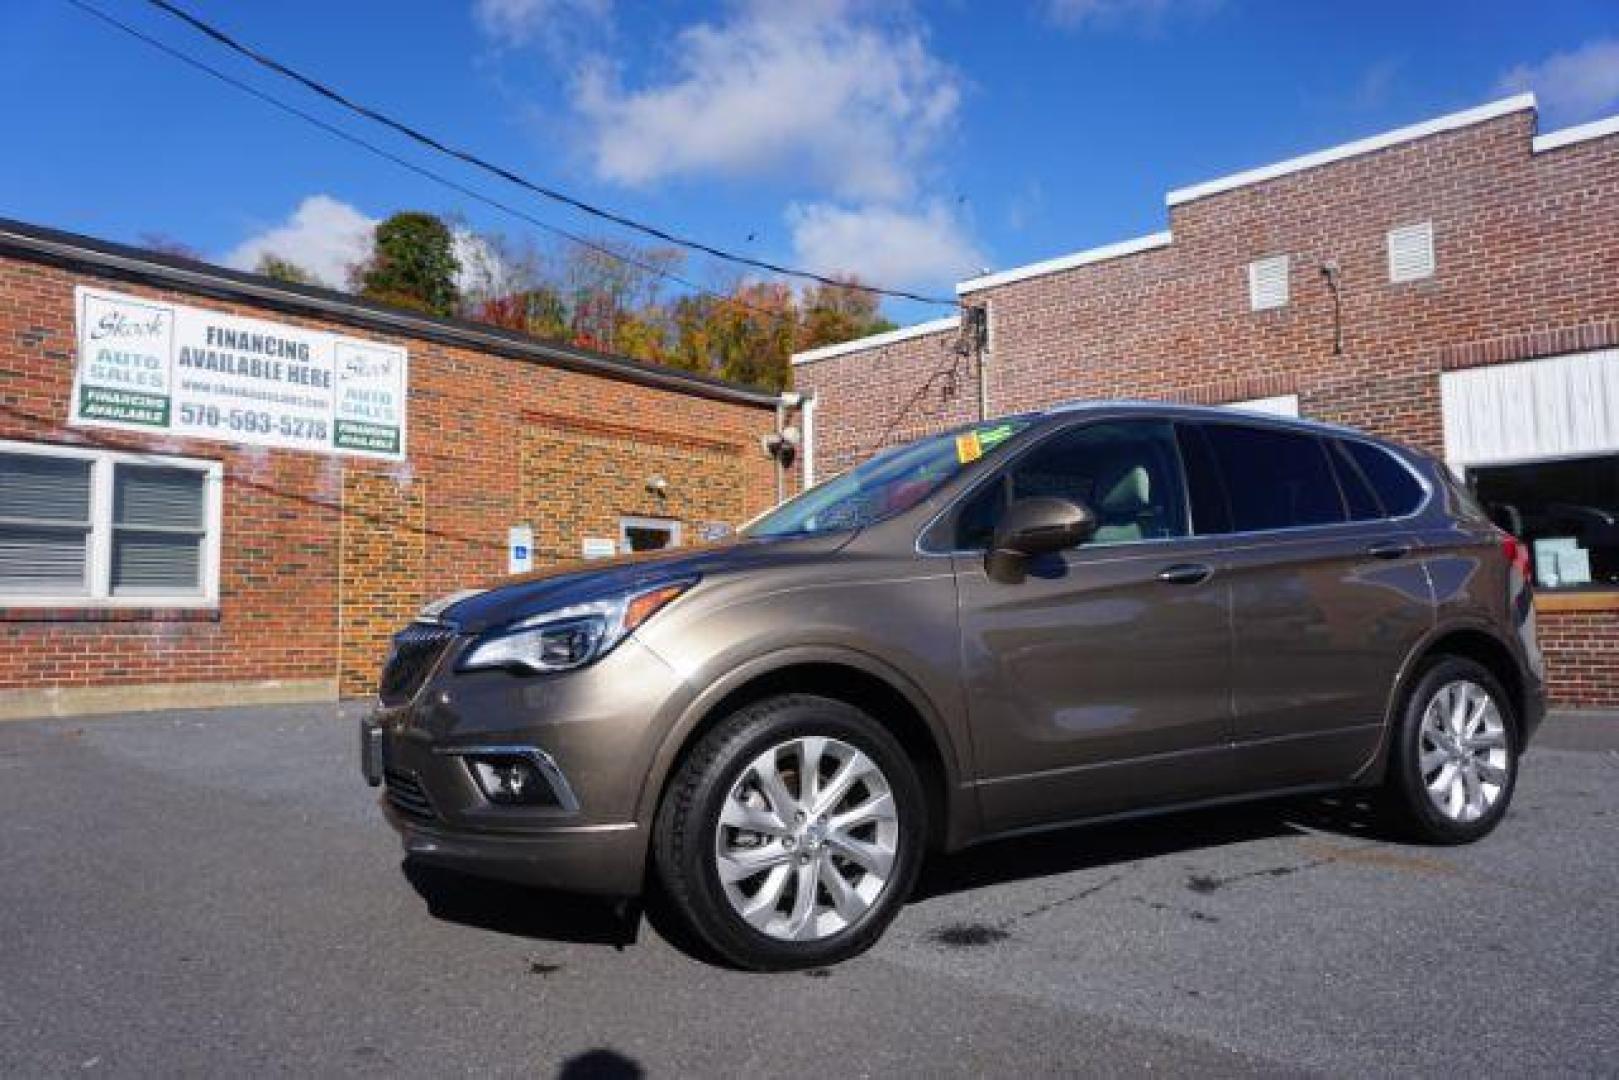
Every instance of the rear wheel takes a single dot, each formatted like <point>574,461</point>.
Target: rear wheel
<point>1455,760</point>
<point>792,834</point>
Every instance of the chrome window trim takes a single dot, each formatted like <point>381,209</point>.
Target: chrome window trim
<point>543,762</point>
<point>1303,427</point>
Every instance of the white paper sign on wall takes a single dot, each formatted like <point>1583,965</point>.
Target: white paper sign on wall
<point>145,365</point>
<point>519,549</point>
<point>598,547</point>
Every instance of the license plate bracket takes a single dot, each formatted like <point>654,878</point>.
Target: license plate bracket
<point>371,751</point>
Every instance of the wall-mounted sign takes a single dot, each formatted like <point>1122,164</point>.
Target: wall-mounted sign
<point>712,532</point>
<point>150,366</point>
<point>598,547</point>
<point>519,549</point>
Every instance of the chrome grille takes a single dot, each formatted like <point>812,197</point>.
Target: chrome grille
<point>415,650</point>
<point>407,795</point>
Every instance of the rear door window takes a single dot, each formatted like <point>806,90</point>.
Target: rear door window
<point>1399,491</point>
<point>1276,479</point>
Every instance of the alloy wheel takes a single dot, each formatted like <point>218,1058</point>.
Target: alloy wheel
<point>807,839</point>
<point>1463,752</point>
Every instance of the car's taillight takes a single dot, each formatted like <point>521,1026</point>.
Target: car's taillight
<point>1517,553</point>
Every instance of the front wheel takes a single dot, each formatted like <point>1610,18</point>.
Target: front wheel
<point>1455,760</point>
<point>792,833</point>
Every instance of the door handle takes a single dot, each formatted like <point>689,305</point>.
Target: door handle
<point>1389,549</point>
<point>1185,574</point>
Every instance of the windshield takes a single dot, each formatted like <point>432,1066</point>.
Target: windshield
<point>891,482</point>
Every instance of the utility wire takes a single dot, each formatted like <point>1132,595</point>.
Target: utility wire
<point>475,161</point>
<point>958,348</point>
<point>439,178</point>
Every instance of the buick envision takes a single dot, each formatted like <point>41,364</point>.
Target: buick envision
<point>1092,612</point>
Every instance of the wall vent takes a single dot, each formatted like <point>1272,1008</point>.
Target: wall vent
<point>1267,283</point>
<point>1411,252</point>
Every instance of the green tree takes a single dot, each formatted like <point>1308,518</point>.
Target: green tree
<point>412,264</point>
<point>274,266</point>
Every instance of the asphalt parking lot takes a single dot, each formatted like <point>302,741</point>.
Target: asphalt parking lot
<point>209,893</point>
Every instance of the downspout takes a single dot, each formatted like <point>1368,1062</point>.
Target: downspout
<point>807,421</point>
<point>781,471</point>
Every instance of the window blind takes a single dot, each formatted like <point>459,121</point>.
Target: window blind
<point>44,523</point>
<point>157,529</point>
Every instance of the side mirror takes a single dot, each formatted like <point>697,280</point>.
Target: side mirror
<point>1036,526</point>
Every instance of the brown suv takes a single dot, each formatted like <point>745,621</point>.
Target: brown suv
<point>1048,619</point>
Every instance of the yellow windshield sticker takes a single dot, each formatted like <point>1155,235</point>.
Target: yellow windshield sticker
<point>993,436</point>
<point>968,448</point>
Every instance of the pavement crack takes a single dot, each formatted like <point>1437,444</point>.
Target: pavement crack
<point>974,934</point>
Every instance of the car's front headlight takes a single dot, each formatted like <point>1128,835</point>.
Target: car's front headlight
<point>570,637</point>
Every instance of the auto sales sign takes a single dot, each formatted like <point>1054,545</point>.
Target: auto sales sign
<point>150,366</point>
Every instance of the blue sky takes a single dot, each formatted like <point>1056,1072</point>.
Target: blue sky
<point>914,144</point>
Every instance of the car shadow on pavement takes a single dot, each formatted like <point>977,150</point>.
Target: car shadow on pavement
<point>522,911</point>
<point>519,910</point>
<point>1086,847</point>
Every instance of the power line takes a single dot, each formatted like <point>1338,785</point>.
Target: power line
<point>475,161</point>
<point>958,349</point>
<point>420,170</point>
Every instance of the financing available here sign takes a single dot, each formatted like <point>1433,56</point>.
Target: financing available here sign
<point>151,366</point>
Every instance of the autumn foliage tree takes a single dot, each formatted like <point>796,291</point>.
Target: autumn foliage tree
<point>274,266</point>
<point>613,297</point>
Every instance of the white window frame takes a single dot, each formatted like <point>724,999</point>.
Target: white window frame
<point>98,559</point>
<point>625,524</point>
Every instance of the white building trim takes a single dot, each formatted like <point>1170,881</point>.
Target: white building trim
<point>1594,130</point>
<point>1281,405</point>
<point>1436,126</point>
<point>1531,410</point>
<point>1065,262</point>
<point>875,341</point>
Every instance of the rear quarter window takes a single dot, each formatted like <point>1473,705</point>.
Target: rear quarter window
<point>1396,488</point>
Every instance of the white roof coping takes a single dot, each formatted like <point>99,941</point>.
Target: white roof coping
<point>1465,118</point>
<point>1594,130</point>
<point>875,341</point>
<point>1065,262</point>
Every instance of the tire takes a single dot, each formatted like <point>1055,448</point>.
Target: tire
<point>755,915</point>
<point>1444,789</point>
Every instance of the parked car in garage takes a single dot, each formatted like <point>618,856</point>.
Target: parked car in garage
<point>1096,611</point>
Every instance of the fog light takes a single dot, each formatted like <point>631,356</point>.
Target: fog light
<point>511,780</point>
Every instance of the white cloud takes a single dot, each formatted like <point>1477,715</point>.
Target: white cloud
<point>484,271</point>
<point>517,22</point>
<point>324,236</point>
<point>1572,86</point>
<point>1087,13</point>
<point>884,245</point>
<point>831,93</point>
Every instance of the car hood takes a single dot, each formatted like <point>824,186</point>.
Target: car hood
<point>579,582</point>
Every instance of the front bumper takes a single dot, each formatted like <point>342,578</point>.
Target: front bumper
<point>598,729</point>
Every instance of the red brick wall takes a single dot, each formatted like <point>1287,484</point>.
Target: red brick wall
<point>1582,653</point>
<point>886,396</point>
<point>1527,251</point>
<point>322,557</point>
